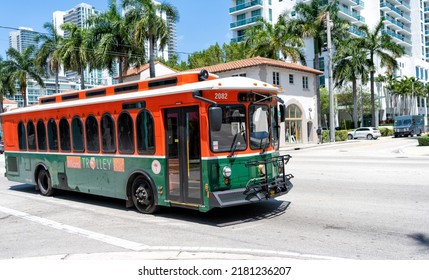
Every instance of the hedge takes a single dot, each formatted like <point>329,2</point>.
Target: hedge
<point>340,135</point>
<point>385,131</point>
<point>423,140</point>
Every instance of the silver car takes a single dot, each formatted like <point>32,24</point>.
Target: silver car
<point>365,132</point>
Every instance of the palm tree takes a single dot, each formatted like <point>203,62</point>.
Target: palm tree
<point>111,38</point>
<point>149,25</point>
<point>311,23</point>
<point>376,43</point>
<point>48,55</point>
<point>7,85</point>
<point>350,64</point>
<point>409,88</point>
<point>21,66</point>
<point>74,50</point>
<point>271,41</point>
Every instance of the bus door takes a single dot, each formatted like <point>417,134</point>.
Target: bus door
<point>183,155</point>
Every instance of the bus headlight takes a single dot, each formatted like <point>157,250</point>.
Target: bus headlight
<point>261,170</point>
<point>227,172</point>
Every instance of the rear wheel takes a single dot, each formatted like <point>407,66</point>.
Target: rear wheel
<point>369,137</point>
<point>143,196</point>
<point>44,183</point>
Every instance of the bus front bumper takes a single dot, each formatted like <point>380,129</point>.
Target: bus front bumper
<point>251,194</point>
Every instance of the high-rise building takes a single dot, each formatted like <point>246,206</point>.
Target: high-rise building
<point>413,35</point>
<point>22,38</point>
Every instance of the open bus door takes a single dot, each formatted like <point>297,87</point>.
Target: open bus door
<point>183,156</point>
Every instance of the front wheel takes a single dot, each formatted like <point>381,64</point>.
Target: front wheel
<point>143,196</point>
<point>44,183</point>
<point>350,137</point>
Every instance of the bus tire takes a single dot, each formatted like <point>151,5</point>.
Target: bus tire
<point>143,195</point>
<point>44,183</point>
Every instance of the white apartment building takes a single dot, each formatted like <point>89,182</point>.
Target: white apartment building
<point>413,35</point>
<point>22,38</point>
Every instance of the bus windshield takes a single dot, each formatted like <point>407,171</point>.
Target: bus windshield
<point>259,126</point>
<point>232,135</point>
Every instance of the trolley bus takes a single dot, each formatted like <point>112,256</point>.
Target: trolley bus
<point>190,140</point>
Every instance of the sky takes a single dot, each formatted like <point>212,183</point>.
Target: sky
<point>202,23</point>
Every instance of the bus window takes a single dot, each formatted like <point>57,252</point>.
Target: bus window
<point>232,136</point>
<point>41,135</point>
<point>31,136</point>
<point>108,134</point>
<point>125,134</point>
<point>259,132</point>
<point>145,133</point>
<point>92,136</point>
<point>64,135</point>
<point>22,136</point>
<point>52,135</point>
<point>77,134</point>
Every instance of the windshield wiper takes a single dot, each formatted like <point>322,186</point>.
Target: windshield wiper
<point>234,142</point>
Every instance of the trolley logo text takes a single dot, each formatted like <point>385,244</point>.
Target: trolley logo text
<point>96,163</point>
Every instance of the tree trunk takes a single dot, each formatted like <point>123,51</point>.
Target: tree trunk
<point>372,99</point>
<point>57,83</point>
<point>121,70</point>
<point>318,106</point>
<point>82,79</point>
<point>23,90</point>
<point>152,56</point>
<point>355,103</point>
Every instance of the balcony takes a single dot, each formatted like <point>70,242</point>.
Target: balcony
<point>257,4</point>
<point>388,8</point>
<point>238,39</point>
<point>352,16</point>
<point>396,24</point>
<point>243,22</point>
<point>401,38</point>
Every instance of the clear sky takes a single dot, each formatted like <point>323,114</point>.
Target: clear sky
<point>202,22</point>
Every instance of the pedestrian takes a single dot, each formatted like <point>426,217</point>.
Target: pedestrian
<point>319,135</point>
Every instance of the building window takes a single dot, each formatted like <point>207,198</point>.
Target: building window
<point>270,14</point>
<point>276,78</point>
<point>41,135</point>
<point>92,135</point>
<point>291,79</point>
<point>125,134</point>
<point>305,82</point>
<point>239,75</point>
<point>77,134</point>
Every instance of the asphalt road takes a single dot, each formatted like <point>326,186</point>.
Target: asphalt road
<point>361,200</point>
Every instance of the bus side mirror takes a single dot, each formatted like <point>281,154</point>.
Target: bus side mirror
<point>215,118</point>
<point>282,113</point>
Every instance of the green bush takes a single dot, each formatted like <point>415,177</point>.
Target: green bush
<point>340,135</point>
<point>423,140</point>
<point>386,131</point>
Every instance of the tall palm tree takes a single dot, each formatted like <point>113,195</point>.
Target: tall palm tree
<point>21,66</point>
<point>270,41</point>
<point>48,56</point>
<point>350,64</point>
<point>149,24</point>
<point>7,85</point>
<point>378,44</point>
<point>311,23</point>
<point>112,40</point>
<point>74,50</point>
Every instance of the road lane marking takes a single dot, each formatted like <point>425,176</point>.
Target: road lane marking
<point>138,247</point>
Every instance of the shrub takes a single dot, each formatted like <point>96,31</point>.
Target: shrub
<point>386,131</point>
<point>423,140</point>
<point>340,135</point>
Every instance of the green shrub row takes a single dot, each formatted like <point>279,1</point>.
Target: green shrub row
<point>340,135</point>
<point>385,131</point>
<point>423,140</point>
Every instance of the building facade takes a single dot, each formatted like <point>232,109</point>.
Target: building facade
<point>22,38</point>
<point>413,35</point>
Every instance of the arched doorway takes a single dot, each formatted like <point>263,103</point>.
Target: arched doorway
<point>293,124</point>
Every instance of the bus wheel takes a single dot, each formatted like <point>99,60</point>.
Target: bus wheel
<point>44,183</point>
<point>143,196</point>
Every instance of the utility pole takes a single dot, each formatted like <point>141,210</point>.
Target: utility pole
<point>330,76</point>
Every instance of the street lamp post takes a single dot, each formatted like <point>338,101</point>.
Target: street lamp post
<point>331,93</point>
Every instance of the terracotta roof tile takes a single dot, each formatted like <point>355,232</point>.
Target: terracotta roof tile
<point>256,61</point>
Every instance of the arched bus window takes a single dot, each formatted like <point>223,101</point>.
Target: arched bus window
<point>64,135</point>
<point>145,132</point>
<point>22,136</point>
<point>52,135</point>
<point>125,134</point>
<point>108,134</point>
<point>41,135</point>
<point>92,135</point>
<point>31,136</point>
<point>77,134</point>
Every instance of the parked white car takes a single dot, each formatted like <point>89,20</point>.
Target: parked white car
<point>365,132</point>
